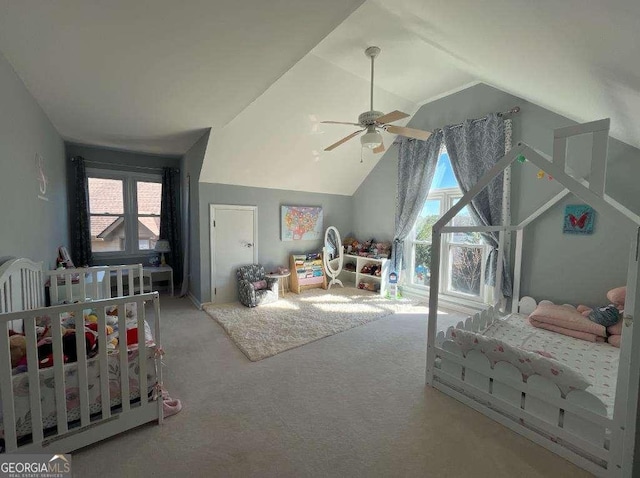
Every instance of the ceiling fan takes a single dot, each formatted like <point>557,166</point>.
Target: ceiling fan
<point>375,121</point>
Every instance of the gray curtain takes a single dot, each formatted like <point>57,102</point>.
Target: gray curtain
<point>170,218</point>
<point>79,215</point>
<point>417,162</point>
<point>185,247</point>
<point>473,149</point>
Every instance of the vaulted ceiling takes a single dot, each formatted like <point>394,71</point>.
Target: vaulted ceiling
<point>152,75</point>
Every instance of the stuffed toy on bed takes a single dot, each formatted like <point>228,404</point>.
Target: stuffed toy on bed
<point>606,315</point>
<point>610,315</point>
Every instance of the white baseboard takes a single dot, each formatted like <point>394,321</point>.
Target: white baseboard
<point>195,301</point>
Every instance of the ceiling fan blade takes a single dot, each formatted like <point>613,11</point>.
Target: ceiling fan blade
<point>391,117</point>
<point>340,122</point>
<point>343,140</point>
<point>408,132</point>
<point>379,149</point>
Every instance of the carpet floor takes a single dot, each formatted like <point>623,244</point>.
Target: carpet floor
<point>298,319</point>
<point>354,405</point>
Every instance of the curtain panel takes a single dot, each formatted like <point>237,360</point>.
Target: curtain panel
<point>170,219</point>
<point>184,290</point>
<point>474,148</point>
<point>80,232</point>
<point>417,161</point>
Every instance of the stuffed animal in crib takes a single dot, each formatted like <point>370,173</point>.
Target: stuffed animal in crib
<point>18,349</point>
<point>69,348</point>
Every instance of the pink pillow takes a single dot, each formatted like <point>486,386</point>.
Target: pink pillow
<point>617,295</point>
<point>260,284</point>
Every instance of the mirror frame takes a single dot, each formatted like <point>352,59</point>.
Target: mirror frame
<point>331,272</point>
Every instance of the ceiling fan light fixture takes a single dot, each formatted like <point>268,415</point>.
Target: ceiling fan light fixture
<point>371,139</point>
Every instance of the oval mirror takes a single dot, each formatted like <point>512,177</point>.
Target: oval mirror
<point>333,255</point>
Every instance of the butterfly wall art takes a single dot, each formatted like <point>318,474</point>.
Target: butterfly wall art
<point>578,219</point>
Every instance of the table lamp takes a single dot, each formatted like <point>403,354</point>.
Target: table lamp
<point>162,246</point>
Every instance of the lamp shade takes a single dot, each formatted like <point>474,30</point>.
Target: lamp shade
<point>162,246</point>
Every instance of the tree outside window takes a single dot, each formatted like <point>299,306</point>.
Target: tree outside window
<point>463,254</point>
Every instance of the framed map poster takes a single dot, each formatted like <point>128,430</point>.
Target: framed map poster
<point>300,223</point>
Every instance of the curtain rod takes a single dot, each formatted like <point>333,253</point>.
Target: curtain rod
<point>149,168</point>
<point>505,115</point>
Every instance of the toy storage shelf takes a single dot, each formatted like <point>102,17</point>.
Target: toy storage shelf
<point>356,277</point>
<point>307,272</point>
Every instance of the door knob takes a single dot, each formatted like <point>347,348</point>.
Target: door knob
<point>249,245</point>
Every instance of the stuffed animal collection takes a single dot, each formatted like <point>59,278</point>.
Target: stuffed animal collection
<point>18,342</point>
<point>371,269</point>
<point>370,248</point>
<point>369,286</point>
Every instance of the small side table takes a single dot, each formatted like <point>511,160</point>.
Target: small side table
<point>282,279</point>
<point>164,273</point>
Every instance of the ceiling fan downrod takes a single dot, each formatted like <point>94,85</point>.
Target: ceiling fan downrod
<point>372,52</point>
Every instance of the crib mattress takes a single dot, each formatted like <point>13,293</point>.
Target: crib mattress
<point>597,361</point>
<point>47,388</point>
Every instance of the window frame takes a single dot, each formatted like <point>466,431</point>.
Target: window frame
<point>447,198</point>
<point>130,181</point>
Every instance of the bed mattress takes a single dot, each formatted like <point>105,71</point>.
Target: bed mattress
<point>596,361</point>
<point>47,388</point>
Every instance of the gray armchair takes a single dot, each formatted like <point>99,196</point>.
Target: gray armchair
<point>248,294</point>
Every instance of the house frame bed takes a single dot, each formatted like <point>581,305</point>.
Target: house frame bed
<point>574,425</point>
<point>22,293</point>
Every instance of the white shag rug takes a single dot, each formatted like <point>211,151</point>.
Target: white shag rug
<point>298,319</point>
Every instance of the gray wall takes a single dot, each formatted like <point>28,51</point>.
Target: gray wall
<point>118,160</point>
<point>556,266</point>
<point>31,227</point>
<point>191,165</point>
<point>337,211</point>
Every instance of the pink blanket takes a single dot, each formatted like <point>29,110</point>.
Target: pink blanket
<point>615,332</point>
<point>615,329</point>
<point>567,321</point>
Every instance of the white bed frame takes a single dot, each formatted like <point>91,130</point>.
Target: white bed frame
<point>574,426</point>
<point>21,301</point>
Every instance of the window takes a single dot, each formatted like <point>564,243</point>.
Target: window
<point>124,212</point>
<point>463,254</point>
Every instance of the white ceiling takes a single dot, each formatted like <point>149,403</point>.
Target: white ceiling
<point>152,75</point>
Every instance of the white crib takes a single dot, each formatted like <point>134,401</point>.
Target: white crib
<point>131,380</point>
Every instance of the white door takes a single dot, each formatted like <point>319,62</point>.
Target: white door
<point>233,244</point>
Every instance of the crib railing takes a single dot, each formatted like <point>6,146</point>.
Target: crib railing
<point>84,283</point>
<point>23,289</point>
<point>143,406</point>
